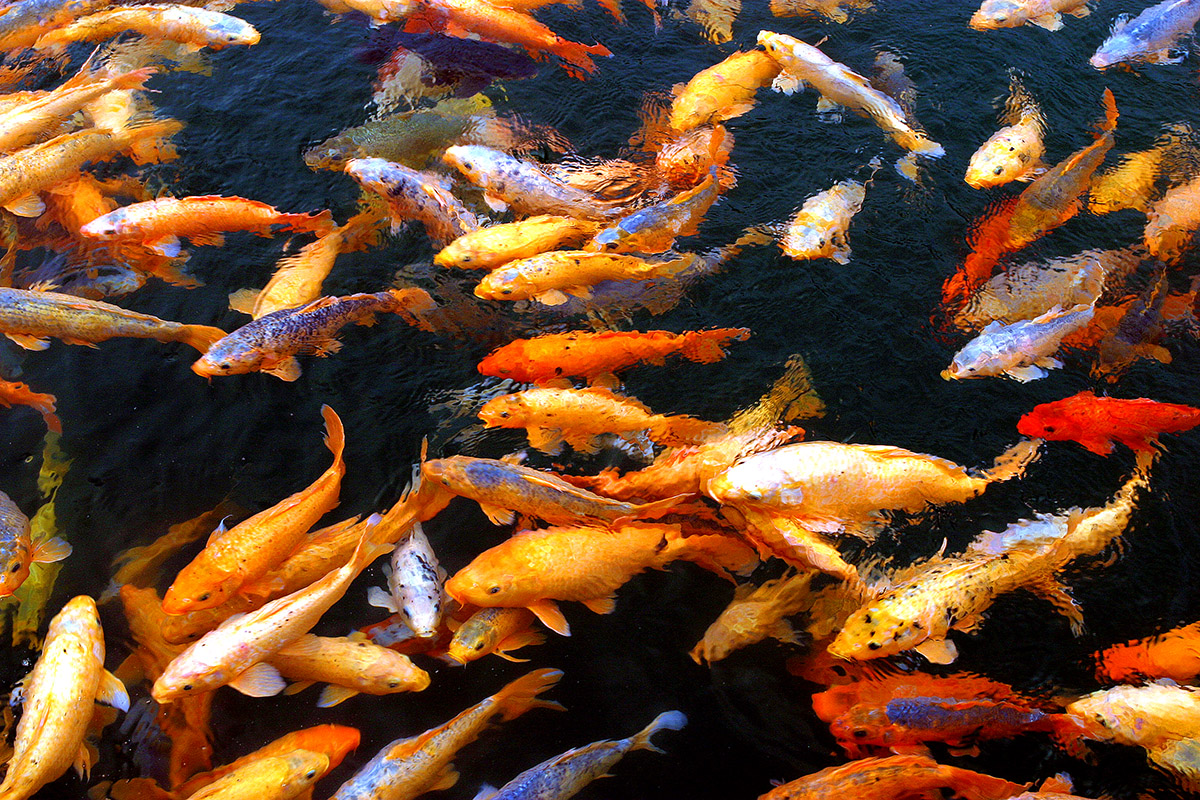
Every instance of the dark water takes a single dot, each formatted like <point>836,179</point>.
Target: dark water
<point>154,444</point>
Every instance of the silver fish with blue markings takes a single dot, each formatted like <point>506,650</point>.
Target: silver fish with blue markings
<point>1150,36</point>
<point>414,585</point>
<point>411,194</point>
<point>1022,350</point>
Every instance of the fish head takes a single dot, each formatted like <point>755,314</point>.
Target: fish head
<point>1047,421</point>
<point>15,560</point>
<point>998,161</point>
<point>372,173</point>
<point>106,227</point>
<point>230,30</point>
<point>332,154</point>
<point>876,632</point>
<point>495,366</point>
<point>335,741</point>
<point>197,588</point>
<point>486,583</point>
<point>506,411</point>
<point>504,283</point>
<point>229,357</point>
<point>610,240</point>
<point>753,480</point>
<point>188,678</point>
<point>449,472</point>
<point>304,768</point>
<point>468,159</point>
<point>999,14</point>
<point>864,725</point>
<point>1115,49</point>
<point>475,638</point>
<point>973,361</point>
<point>394,672</point>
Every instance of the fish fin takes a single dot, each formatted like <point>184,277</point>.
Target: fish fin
<point>553,297</point>
<point>786,83</point>
<point>486,792</point>
<point>827,106</point>
<point>668,720</point>
<point>602,605</point>
<point>1051,21</point>
<point>497,515</point>
<point>166,246</point>
<point>495,202</point>
<point>50,550</point>
<point>938,651</point>
<point>244,300</point>
<point>1053,592</point>
<point>29,342</point>
<point>548,612</point>
<point>85,759</point>
<point>505,656</point>
<point>210,238</point>
<point>81,342</point>
<point>546,440</point>
<point>306,645</point>
<point>841,252</point>
<point>333,694</point>
<point>445,779</point>
<point>1026,374</point>
<point>260,680</point>
<point>1036,170</point>
<point>297,687</point>
<point>515,641</point>
<point>783,631</point>
<point>381,598</point>
<point>29,205</point>
<point>286,370</point>
<point>327,347</point>
<point>521,695</point>
<point>1082,11</point>
<point>111,692</point>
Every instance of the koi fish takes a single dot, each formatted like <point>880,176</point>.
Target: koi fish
<point>994,14</point>
<point>1023,350</point>
<point>585,564</point>
<point>1172,220</point>
<point>247,551</point>
<point>508,181</point>
<point>407,768</point>
<point>830,9</point>
<point>496,630</point>
<point>12,393</point>
<point>271,343</point>
<point>1053,198</point>
<point>496,245</point>
<point>349,665</point>
<point>18,551</point>
<point>280,777</point>
<point>565,775</point>
<point>158,224</point>
<point>414,585</point>
<point>1013,153</point>
<point>831,487</point>
<point>655,228</point>
<point>193,26</point>
<point>839,85</point>
<point>550,277</point>
<point>58,699</point>
<point>414,195</point>
<point>577,416</point>
<point>723,91</point>
<point>923,605</point>
<point>1150,36</point>
<point>878,689</point>
<point>1097,422</point>
<point>754,614</point>
<point>891,777</point>
<point>23,22</point>
<point>30,318</point>
<point>589,355</point>
<point>1171,655</point>
<point>234,653</point>
<point>1135,182</point>
<point>818,229</point>
<point>1027,291</point>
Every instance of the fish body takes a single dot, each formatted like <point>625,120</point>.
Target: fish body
<point>722,91</point>
<point>1172,220</point>
<point>1150,36</point>
<point>1013,153</point>
<point>23,22</point>
<point>994,14</point>
<point>17,549</point>
<point>508,181</point>
<point>496,245</point>
<point>349,664</point>
<point>829,486</point>
<point>818,229</point>
<point>414,585</point>
<point>1097,422</point>
<point>655,228</point>
<point>407,768</point>
<point>13,393</point>
<point>1174,654</point>
<point>498,630</point>
<point>565,775</point>
<point>414,195</point>
<point>247,551</point>
<point>1029,290</point>
<point>893,777</point>
<point>58,701</point>
<point>193,26</point>
<point>281,777</point>
<point>410,138</point>
<point>270,343</point>
<point>231,654</point>
<point>756,613</point>
<point>831,9</point>
<point>840,86</point>
<point>588,355</point>
<point>550,277</point>
<point>31,318</point>
<point>1022,350</point>
<point>552,416</point>
<point>157,224</point>
<point>586,564</point>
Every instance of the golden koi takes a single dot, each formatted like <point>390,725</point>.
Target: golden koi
<point>1171,222</point>
<point>550,277</point>
<point>994,14</point>
<point>496,630</point>
<point>269,778</point>
<point>818,230</point>
<point>493,246</point>
<point>723,91</point>
<point>1013,153</point>
<point>184,24</point>
<point>349,665</point>
<point>755,613</point>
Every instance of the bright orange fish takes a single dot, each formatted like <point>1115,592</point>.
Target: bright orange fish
<point>891,778</point>
<point>251,548</point>
<point>1174,654</point>
<point>1097,422</point>
<point>19,394</point>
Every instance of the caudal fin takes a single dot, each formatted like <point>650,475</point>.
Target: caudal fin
<point>977,786</point>
<point>1013,462</point>
<point>1110,112</point>
<point>707,347</point>
<point>335,434</point>
<point>668,720</point>
<point>320,223</point>
<point>681,429</point>
<point>521,695</point>
<point>579,55</point>
<point>200,337</point>
<point>413,305</point>
<point>149,141</point>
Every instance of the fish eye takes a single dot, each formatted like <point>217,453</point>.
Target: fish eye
<point>479,646</point>
<point>204,597</point>
<point>393,684</point>
<point>1049,429</point>
<point>224,365</point>
<point>494,590</point>
<point>312,773</point>
<point>466,165</point>
<point>997,171</point>
<point>187,687</point>
<point>503,415</point>
<point>859,733</point>
<point>16,567</point>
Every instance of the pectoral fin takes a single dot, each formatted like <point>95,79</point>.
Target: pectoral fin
<point>1026,374</point>
<point>111,691</point>
<point>495,202</point>
<point>602,605</point>
<point>938,651</point>
<point>261,680</point>
<point>498,515</point>
<point>548,612</point>
<point>827,106</point>
<point>446,779</point>
<point>51,550</point>
<point>788,84</point>
<point>29,205</point>
<point>286,370</point>
<point>332,694</point>
<point>1053,592</point>
<point>553,297</point>
<point>166,246</point>
<point>1051,21</point>
<point>380,598</point>
<point>29,342</point>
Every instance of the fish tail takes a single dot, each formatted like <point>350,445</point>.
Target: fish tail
<point>320,223</point>
<point>200,337</point>
<point>149,141</point>
<point>1013,462</point>
<point>613,7</point>
<point>1068,732</point>
<point>579,55</point>
<point>135,79</point>
<point>977,786</point>
<point>681,429</point>
<point>361,231</point>
<point>335,434</point>
<point>1110,113</point>
<point>716,553</point>
<point>1020,104</point>
<point>413,304</point>
<point>371,546</point>
<point>521,695</point>
<point>668,720</point>
<point>707,347</point>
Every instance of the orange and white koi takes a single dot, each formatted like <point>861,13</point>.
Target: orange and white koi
<point>1013,153</point>
<point>891,777</point>
<point>994,14</point>
<point>23,22</point>
<point>585,564</point>
<point>508,181</point>
<point>13,393</point>
<point>58,701</point>
<point>550,277</point>
<point>723,91</point>
<point>349,665</point>
<point>193,26</point>
<point>414,195</point>
<point>407,768</point>
<point>496,630</point>
<point>818,229</point>
<point>18,552</point>
<point>495,245</point>
<point>251,548</point>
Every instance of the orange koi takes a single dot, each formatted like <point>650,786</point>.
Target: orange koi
<point>755,613</point>
<point>891,778</point>
<point>1097,422</point>
<point>550,277</point>
<point>684,161</point>
<point>251,548</point>
<point>157,224</point>
<point>588,355</point>
<point>585,564</point>
<point>577,416</point>
<point>18,552</point>
<point>1173,655</point>
<point>193,26</point>
<point>349,665</point>
<point>496,630</point>
<point>140,565</point>
<point>12,393</point>
<point>723,91</point>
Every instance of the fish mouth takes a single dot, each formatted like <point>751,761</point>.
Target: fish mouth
<point>949,375</point>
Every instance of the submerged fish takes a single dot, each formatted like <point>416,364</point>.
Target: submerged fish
<point>1172,221</point>
<point>755,613</point>
<point>1150,36</point>
<point>509,181</point>
<point>18,552</point>
<point>193,26</point>
<point>1173,655</point>
<point>1015,13</point>
<point>348,665</point>
<point>496,630</point>
<point>496,245</point>
<point>1013,153</point>
<point>550,277</point>
<point>834,10</point>
<point>818,229</point>
<point>1023,350</point>
<point>413,195</point>
<point>1028,290</point>
<point>894,777</point>
<point>1097,422</point>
